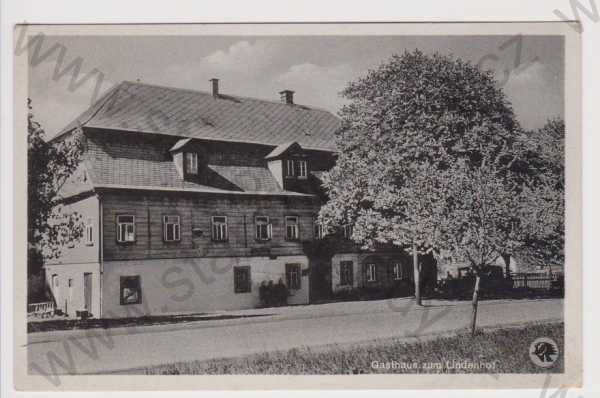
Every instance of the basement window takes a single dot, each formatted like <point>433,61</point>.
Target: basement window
<point>131,290</point>
<point>293,276</point>
<point>241,279</point>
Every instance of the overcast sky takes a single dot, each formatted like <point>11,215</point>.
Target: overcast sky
<point>315,67</point>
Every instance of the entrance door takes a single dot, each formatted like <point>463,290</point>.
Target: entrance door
<point>87,291</point>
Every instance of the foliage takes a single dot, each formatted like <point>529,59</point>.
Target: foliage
<point>50,165</point>
<point>273,295</point>
<point>411,117</point>
<point>431,153</point>
<point>545,157</point>
<point>37,290</point>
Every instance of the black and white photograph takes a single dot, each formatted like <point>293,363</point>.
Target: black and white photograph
<point>309,200</point>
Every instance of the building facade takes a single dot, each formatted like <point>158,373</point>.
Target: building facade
<point>192,200</point>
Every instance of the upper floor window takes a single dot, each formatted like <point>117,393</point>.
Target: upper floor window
<point>219,228</point>
<point>302,169</point>
<point>263,228</point>
<point>89,232</point>
<point>191,162</point>
<point>125,228</point>
<point>319,230</point>
<point>348,230</point>
<point>171,229</point>
<point>291,228</point>
<point>290,171</point>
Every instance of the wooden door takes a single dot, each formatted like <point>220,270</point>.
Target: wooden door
<point>87,291</point>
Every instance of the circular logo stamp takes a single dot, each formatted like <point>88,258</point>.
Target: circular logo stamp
<point>543,352</point>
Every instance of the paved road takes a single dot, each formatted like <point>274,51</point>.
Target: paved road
<point>93,351</point>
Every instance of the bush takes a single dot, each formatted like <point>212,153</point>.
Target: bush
<point>273,295</point>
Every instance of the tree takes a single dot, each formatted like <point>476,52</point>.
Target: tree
<point>545,158</point>
<point>487,210</point>
<point>413,116</point>
<point>50,164</point>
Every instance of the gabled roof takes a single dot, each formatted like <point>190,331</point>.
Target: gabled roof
<point>178,112</point>
<point>180,144</point>
<point>282,149</point>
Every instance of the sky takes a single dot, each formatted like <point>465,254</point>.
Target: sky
<point>530,69</point>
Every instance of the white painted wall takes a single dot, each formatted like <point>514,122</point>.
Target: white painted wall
<point>194,285</point>
<point>72,299</point>
<point>276,168</point>
<point>335,270</point>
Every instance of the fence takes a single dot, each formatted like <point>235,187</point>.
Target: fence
<point>42,310</point>
<point>537,281</point>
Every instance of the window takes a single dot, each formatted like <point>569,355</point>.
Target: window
<point>291,228</point>
<point>289,168</point>
<point>171,228</point>
<point>241,279</point>
<point>131,290</point>
<point>319,230</point>
<point>125,228</point>
<point>89,232</point>
<point>302,169</point>
<point>263,228</point>
<point>398,271</point>
<point>371,273</point>
<point>348,230</point>
<point>346,273</point>
<point>293,276</point>
<point>191,162</point>
<point>55,280</point>
<point>219,228</point>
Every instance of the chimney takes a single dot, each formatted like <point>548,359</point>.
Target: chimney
<point>287,97</point>
<point>215,87</point>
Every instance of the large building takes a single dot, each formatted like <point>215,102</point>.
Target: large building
<point>191,200</point>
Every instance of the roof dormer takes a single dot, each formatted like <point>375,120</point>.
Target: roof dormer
<point>289,165</point>
<point>188,159</point>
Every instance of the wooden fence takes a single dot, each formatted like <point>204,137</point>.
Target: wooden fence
<point>537,281</point>
<point>43,310</point>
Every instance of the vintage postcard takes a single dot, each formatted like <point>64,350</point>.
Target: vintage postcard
<point>292,206</point>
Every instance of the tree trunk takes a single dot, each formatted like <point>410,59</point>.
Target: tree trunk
<point>417,275</point>
<point>475,302</point>
<point>506,258</point>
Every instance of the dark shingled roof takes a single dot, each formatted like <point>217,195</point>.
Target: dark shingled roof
<point>108,165</point>
<point>185,113</point>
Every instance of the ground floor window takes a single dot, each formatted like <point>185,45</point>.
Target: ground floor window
<point>293,276</point>
<point>241,279</point>
<point>371,270</point>
<point>346,273</point>
<point>398,271</point>
<point>131,290</point>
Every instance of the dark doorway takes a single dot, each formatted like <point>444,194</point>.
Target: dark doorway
<point>87,291</point>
